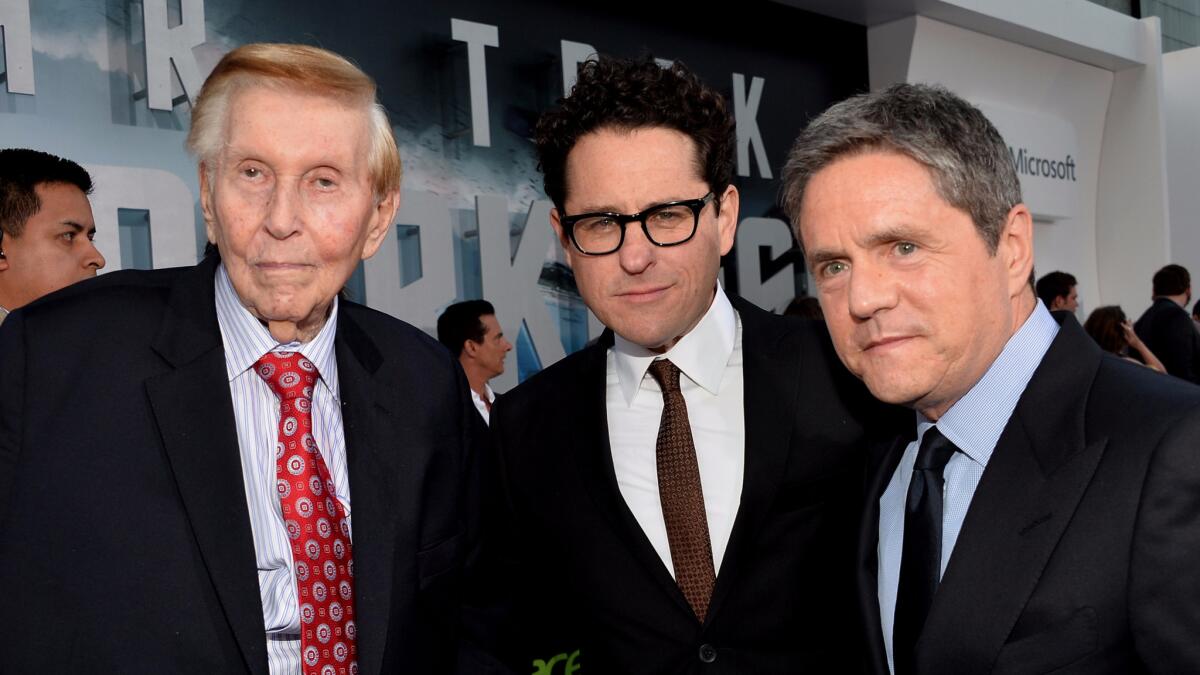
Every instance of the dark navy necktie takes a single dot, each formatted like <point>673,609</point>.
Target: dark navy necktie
<point>921,560</point>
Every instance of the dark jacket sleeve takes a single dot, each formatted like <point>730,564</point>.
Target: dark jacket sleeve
<point>1164,574</point>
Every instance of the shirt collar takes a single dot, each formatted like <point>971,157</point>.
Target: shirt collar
<point>974,423</point>
<point>701,354</point>
<point>491,395</point>
<point>246,339</point>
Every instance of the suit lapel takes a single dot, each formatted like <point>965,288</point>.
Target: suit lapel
<point>1037,474</point>
<point>771,382</point>
<point>885,460</point>
<point>367,407</point>
<point>194,412</point>
<point>589,434</point>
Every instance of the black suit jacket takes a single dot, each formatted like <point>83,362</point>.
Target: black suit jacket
<point>1170,333</point>
<point>1079,551</point>
<point>125,541</point>
<point>589,578</point>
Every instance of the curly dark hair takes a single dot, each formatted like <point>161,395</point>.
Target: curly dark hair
<point>634,94</point>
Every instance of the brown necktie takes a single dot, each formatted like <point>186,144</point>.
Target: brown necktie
<point>681,495</point>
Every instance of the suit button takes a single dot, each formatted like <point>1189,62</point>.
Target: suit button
<point>708,653</point>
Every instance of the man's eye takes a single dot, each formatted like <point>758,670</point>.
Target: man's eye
<point>325,183</point>
<point>834,268</point>
<point>906,248</point>
<point>597,224</point>
<point>68,236</point>
<point>251,172</point>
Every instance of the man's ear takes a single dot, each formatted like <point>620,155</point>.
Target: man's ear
<point>470,348</point>
<point>563,240</point>
<point>207,208</point>
<point>727,218</point>
<point>1016,245</point>
<point>380,222</point>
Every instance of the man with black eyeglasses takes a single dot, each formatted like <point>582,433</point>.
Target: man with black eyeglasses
<point>680,496</point>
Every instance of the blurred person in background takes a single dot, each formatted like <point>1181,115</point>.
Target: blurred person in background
<point>1057,291</point>
<point>1166,327</point>
<point>473,335</point>
<point>805,306</point>
<point>1109,327</point>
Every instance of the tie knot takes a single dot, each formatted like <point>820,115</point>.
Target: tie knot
<point>935,451</point>
<point>289,374</point>
<point>666,374</point>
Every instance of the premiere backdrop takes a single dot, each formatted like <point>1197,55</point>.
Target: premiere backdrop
<point>109,83</point>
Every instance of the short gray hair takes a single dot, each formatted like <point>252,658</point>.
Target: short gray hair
<point>971,166</point>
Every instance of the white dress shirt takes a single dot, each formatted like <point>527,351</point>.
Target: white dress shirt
<point>710,359</point>
<point>485,409</point>
<point>256,414</point>
<point>3,314</point>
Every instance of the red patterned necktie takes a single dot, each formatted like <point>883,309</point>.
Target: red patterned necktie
<point>315,520</point>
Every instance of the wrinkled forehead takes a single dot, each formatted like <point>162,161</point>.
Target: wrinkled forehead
<point>286,121</point>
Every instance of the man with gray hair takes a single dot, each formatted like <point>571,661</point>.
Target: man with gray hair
<point>1042,513</point>
<point>226,468</point>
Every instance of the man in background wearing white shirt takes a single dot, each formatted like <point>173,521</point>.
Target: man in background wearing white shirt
<point>683,491</point>
<point>470,331</point>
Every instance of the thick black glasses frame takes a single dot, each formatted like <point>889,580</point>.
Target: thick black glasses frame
<point>696,205</point>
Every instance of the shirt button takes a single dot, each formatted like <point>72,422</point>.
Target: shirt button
<point>708,653</point>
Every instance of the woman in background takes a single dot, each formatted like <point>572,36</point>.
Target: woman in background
<point>1109,327</point>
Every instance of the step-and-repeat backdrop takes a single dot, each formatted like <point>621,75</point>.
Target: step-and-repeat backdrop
<point>109,84</point>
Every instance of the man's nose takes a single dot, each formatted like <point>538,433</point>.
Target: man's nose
<point>637,252</point>
<point>94,258</point>
<point>872,289</point>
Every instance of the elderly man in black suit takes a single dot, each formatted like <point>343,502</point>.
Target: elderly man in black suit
<point>226,468</point>
<point>1041,513</point>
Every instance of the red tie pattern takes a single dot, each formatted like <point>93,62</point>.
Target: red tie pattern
<point>315,520</point>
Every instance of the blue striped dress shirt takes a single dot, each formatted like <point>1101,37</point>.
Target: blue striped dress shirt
<point>256,414</point>
<point>974,424</point>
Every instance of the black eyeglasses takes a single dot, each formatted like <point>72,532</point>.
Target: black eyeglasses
<point>669,224</point>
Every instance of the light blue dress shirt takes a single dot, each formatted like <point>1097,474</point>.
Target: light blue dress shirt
<point>256,416</point>
<point>974,424</point>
